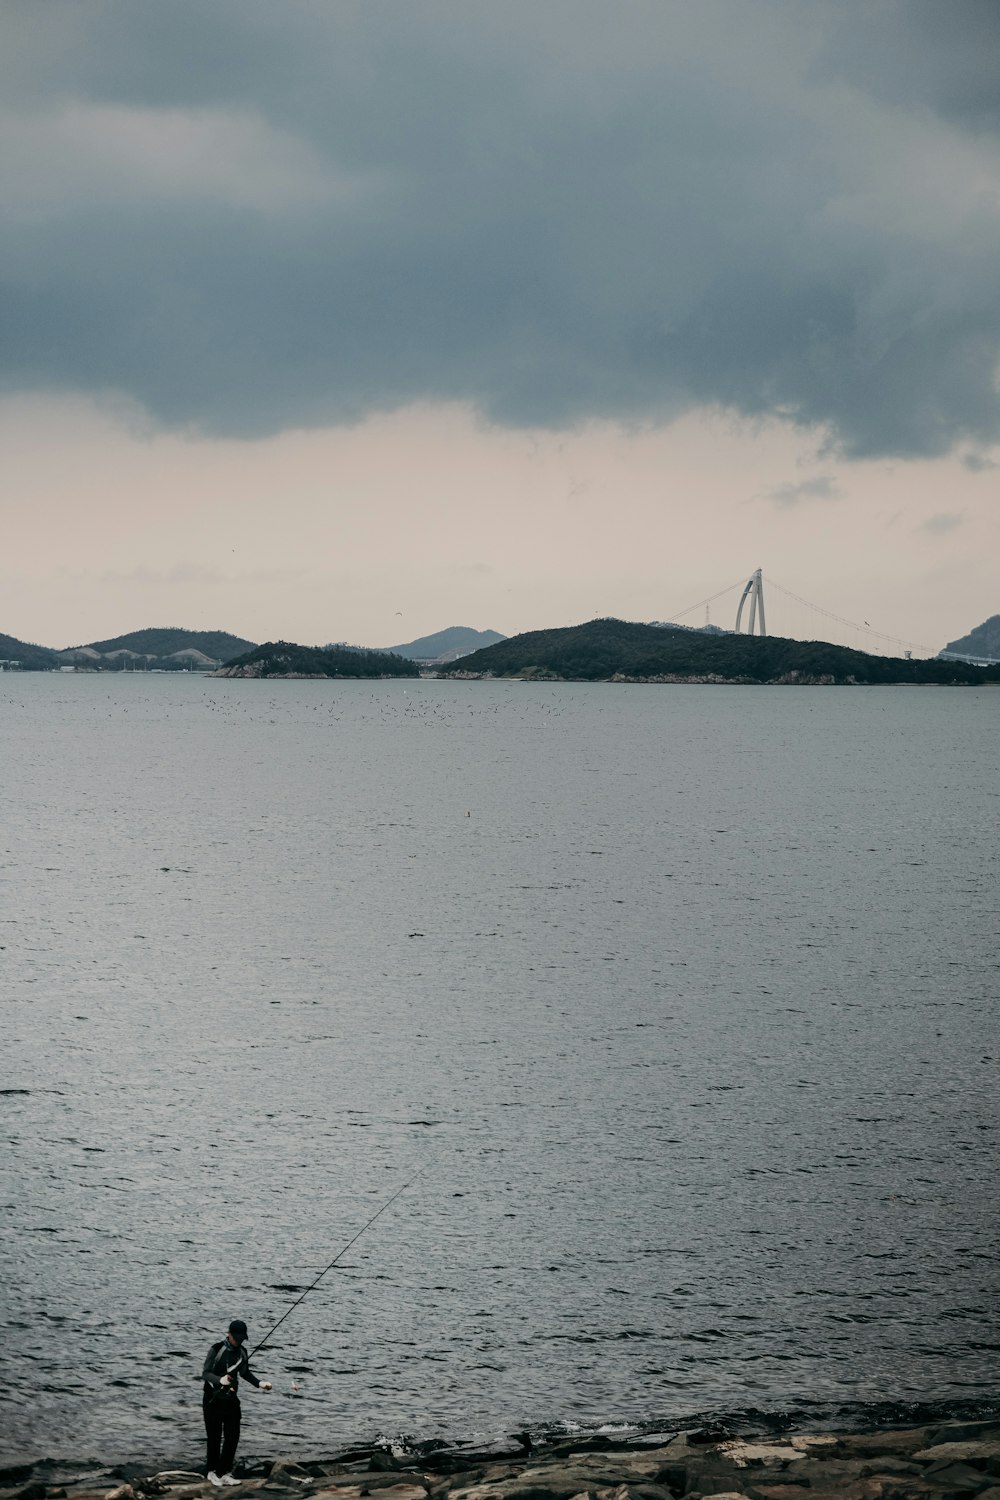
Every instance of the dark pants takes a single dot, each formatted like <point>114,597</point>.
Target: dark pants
<point>222,1428</point>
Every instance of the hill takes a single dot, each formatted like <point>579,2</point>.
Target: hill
<point>169,647</point>
<point>983,642</point>
<point>29,658</point>
<point>617,650</point>
<point>447,645</point>
<point>285,659</point>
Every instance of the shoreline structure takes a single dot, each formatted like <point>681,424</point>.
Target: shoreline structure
<point>955,1460</point>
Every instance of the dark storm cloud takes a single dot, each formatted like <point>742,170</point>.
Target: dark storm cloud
<point>922,53</point>
<point>249,216</point>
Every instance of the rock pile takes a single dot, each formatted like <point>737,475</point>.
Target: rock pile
<point>959,1461</point>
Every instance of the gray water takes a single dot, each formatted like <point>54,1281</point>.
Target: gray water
<point>685,1000</point>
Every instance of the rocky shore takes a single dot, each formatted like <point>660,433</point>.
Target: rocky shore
<point>953,1461</point>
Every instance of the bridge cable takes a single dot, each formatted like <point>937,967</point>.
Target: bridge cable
<point>841,620</point>
<point>677,613</point>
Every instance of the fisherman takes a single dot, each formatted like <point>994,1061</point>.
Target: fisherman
<point>225,1363</point>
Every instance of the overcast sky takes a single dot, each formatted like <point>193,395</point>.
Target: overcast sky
<point>356,319</point>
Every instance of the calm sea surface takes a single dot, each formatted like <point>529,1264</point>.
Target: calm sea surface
<point>685,999</point>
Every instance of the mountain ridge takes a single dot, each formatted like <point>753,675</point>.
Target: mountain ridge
<point>164,642</point>
<point>30,658</point>
<point>982,641</point>
<point>447,644</point>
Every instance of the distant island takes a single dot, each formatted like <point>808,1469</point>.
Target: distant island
<point>167,650</point>
<point>286,659</point>
<point>620,651</point>
<point>22,656</point>
<point>447,645</point>
<point>981,644</point>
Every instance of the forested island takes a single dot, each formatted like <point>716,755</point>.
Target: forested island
<point>622,651</point>
<point>25,656</point>
<point>286,659</point>
<point>166,649</point>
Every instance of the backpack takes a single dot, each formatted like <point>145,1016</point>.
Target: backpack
<point>223,1393</point>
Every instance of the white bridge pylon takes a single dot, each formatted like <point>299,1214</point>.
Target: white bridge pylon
<point>754,591</point>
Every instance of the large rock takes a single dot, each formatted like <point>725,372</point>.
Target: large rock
<point>399,1491</point>
<point>716,1481</point>
<point>33,1490</point>
<point>846,1489</point>
<point>762,1455</point>
<point>957,1479</point>
<point>825,1473</point>
<point>485,1476</point>
<point>623,1466</point>
<point>769,1487</point>
<point>872,1444</point>
<point>981,1455</point>
<point>289,1468</point>
<point>15,1474</point>
<point>388,1484</point>
<point>964,1432</point>
<point>723,1468</point>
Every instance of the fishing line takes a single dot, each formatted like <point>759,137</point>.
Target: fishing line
<point>388,1202</point>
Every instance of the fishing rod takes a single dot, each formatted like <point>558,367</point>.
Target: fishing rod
<point>387,1204</point>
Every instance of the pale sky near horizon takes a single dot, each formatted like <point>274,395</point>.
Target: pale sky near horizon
<point>334,321</point>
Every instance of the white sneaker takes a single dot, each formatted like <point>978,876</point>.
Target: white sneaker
<point>228,1479</point>
<point>213,1478</point>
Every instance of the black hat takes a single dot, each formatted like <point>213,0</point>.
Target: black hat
<point>238,1329</point>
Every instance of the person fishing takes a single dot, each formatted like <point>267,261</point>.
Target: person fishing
<point>225,1362</point>
<point>228,1360</point>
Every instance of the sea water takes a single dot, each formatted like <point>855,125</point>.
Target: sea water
<point>683,1000</point>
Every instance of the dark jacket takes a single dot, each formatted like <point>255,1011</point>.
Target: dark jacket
<point>223,1359</point>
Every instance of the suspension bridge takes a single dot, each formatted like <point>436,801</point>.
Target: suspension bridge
<point>751,603</point>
